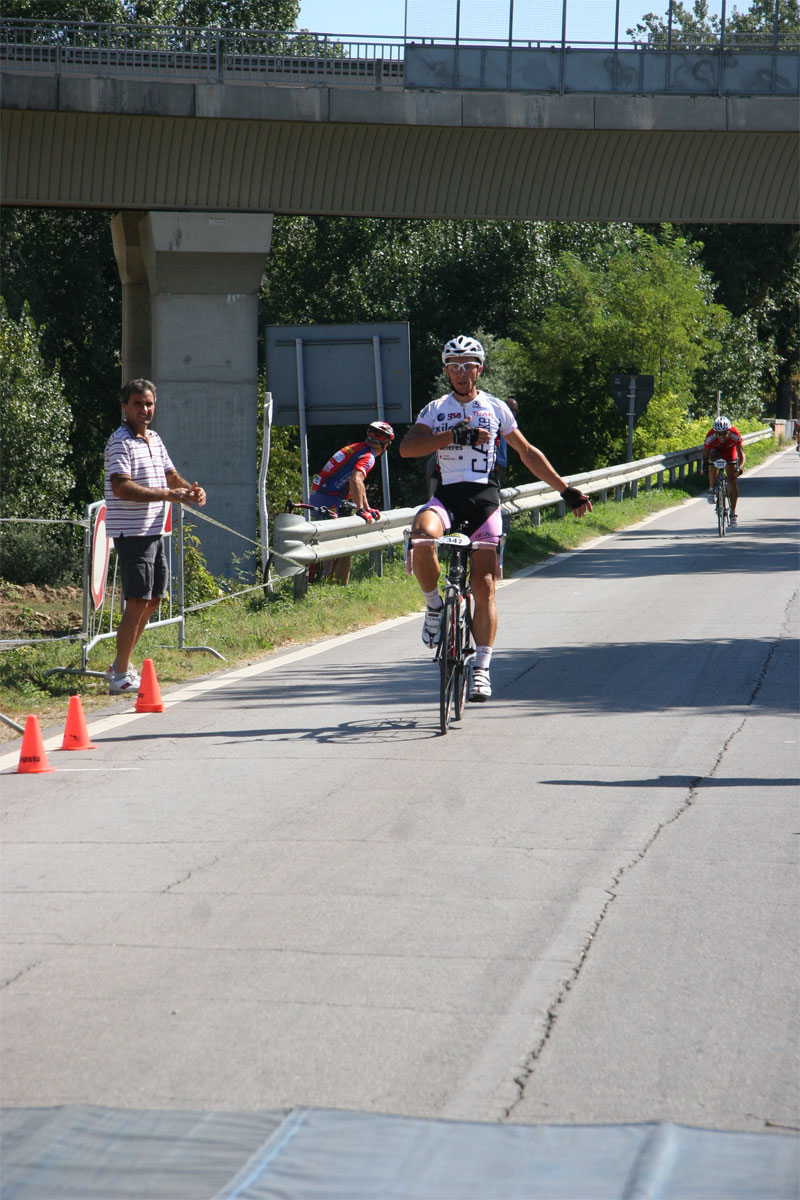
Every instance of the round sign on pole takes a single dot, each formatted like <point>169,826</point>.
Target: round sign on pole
<point>101,548</point>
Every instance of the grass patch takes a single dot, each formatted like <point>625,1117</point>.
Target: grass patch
<point>248,629</point>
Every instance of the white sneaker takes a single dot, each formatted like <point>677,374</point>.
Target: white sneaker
<point>112,671</point>
<point>480,687</point>
<point>733,520</point>
<point>710,496</point>
<point>129,681</point>
<point>432,626</point>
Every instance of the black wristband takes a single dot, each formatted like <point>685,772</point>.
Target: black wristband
<point>573,497</point>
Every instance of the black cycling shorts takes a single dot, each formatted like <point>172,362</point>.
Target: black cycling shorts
<point>471,507</point>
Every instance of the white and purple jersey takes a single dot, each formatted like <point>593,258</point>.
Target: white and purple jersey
<point>468,464</point>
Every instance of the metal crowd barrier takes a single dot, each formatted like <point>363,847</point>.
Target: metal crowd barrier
<point>298,542</point>
<point>100,600</point>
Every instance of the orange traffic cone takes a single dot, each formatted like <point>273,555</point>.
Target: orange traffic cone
<point>32,758</point>
<point>76,735</point>
<point>149,698</point>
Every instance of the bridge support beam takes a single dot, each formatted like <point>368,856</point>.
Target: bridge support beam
<point>190,285</point>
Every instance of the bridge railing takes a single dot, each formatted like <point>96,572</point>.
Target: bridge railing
<point>739,62</point>
<point>212,55</point>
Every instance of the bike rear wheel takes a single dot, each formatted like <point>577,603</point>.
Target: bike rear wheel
<point>449,655</point>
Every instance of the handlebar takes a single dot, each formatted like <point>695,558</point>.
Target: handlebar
<point>456,541</point>
<point>293,505</point>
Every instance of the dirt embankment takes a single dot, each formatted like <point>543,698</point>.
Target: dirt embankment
<point>29,611</point>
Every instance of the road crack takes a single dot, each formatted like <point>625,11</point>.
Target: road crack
<point>523,1077</point>
<point>190,873</point>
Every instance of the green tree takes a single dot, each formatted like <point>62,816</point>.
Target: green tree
<point>647,309</point>
<point>742,367</point>
<point>61,263</point>
<point>35,423</point>
<point>779,323</point>
<point>757,271</point>
<point>221,14</point>
<point>695,27</point>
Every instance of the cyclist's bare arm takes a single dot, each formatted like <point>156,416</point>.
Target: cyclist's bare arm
<point>421,441</point>
<point>539,466</point>
<point>358,492</point>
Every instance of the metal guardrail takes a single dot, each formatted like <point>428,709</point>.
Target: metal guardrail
<point>297,542</point>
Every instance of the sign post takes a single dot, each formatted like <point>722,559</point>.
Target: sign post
<point>632,394</point>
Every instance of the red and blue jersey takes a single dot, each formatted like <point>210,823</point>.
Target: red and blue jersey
<point>721,445</point>
<point>332,485</point>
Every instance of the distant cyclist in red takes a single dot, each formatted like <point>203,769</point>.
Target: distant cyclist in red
<point>342,478</point>
<point>723,440</point>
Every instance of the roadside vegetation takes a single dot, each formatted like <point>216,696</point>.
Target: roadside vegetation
<point>249,628</point>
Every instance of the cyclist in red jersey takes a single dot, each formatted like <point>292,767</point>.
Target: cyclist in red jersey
<point>723,440</point>
<point>342,478</point>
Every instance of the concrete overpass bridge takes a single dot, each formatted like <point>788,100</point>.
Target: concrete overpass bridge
<point>277,124</point>
<point>195,145</point>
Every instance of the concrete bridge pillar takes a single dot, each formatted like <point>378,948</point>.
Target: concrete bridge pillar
<point>190,323</point>
<point>136,352</point>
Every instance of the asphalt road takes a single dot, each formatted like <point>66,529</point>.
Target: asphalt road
<point>581,906</point>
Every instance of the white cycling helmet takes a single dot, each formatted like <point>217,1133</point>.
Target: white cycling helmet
<point>721,425</point>
<point>461,346</point>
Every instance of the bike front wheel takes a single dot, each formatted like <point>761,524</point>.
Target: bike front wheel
<point>722,509</point>
<point>465,651</point>
<point>449,656</point>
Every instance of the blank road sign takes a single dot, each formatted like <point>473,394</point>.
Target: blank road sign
<point>619,387</point>
<point>338,366</point>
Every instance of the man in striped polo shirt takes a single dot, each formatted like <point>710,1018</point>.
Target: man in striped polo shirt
<point>140,479</point>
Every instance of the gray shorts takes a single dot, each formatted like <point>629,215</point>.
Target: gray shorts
<point>143,567</point>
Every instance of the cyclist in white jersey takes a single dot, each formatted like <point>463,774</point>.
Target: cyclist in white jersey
<point>462,430</point>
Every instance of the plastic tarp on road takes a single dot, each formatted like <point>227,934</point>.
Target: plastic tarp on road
<point>78,1152</point>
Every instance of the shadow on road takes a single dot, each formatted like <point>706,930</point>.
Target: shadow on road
<point>392,702</point>
<point>657,676</point>
<point>682,782</point>
<point>769,548</point>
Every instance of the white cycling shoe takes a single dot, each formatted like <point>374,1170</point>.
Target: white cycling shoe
<point>480,687</point>
<point>432,627</point>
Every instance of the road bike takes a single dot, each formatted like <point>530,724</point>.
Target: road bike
<point>456,649</point>
<point>721,497</point>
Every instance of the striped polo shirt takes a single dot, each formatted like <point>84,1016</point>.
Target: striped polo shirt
<point>146,462</point>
